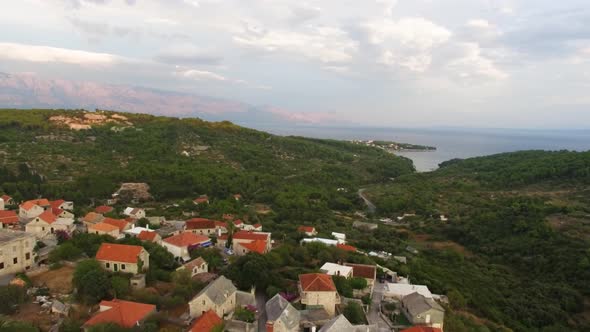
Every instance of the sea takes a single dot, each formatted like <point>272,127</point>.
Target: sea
<point>450,143</point>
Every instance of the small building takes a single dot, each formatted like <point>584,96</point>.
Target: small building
<point>8,219</point>
<point>420,310</point>
<point>61,204</point>
<point>45,224</point>
<point>104,229</point>
<point>203,199</point>
<point>318,289</point>
<point>179,245</point>
<point>201,226</point>
<point>346,247</point>
<point>239,224</point>
<point>340,237</point>
<point>219,296</point>
<point>104,209</point>
<point>33,208</point>
<point>328,242</point>
<point>366,226</point>
<point>341,324</point>
<point>150,236</point>
<point>307,230</point>
<point>332,269</point>
<point>399,290</point>
<point>135,213</point>
<point>367,272</point>
<point>126,314</point>
<point>92,218</point>
<point>123,258</point>
<point>245,242</point>
<point>281,315</point>
<point>220,228</point>
<point>8,201</point>
<point>237,197</point>
<point>17,251</point>
<point>123,225</point>
<point>206,322</point>
<point>196,266</point>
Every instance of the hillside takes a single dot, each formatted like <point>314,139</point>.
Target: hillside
<point>515,247</point>
<point>180,159</point>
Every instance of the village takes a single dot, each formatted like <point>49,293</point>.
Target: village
<point>33,233</point>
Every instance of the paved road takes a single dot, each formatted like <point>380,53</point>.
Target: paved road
<point>370,206</point>
<point>261,306</point>
<point>374,317</point>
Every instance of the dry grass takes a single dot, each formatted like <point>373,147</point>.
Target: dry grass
<point>58,281</point>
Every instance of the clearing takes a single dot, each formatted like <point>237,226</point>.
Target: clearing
<point>58,281</point>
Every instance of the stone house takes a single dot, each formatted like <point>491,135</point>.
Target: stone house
<point>318,289</point>
<point>104,229</point>
<point>196,266</point>
<point>421,310</point>
<point>179,245</point>
<point>219,296</point>
<point>201,226</point>
<point>31,209</point>
<point>281,315</point>
<point>16,251</point>
<point>123,258</point>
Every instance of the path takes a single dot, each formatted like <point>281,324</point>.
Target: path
<point>370,206</point>
<point>373,316</point>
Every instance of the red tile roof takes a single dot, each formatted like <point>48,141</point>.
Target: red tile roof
<point>257,225</point>
<point>48,217</point>
<point>123,313</point>
<point>102,227</point>
<point>197,262</point>
<point>238,222</point>
<point>258,246</point>
<point>116,222</point>
<point>6,198</point>
<point>118,252</point>
<point>363,271</point>
<point>186,239</point>
<point>147,236</point>
<point>56,211</point>
<point>30,204</point>
<point>206,322</point>
<point>317,282</point>
<point>346,247</point>
<point>227,216</point>
<point>8,217</point>
<point>56,204</point>
<point>306,229</point>
<point>246,235</point>
<point>221,224</point>
<point>200,223</point>
<point>422,329</point>
<point>202,199</point>
<point>92,217</point>
<point>103,209</point>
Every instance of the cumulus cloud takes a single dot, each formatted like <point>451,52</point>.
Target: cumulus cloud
<point>473,64</point>
<point>46,54</point>
<point>324,43</point>
<point>407,42</point>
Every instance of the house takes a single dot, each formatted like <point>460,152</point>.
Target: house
<point>8,201</point>
<point>239,224</point>
<point>220,227</point>
<point>123,225</point>
<point>201,226</point>
<point>203,199</point>
<point>8,219</point>
<point>92,218</point>
<point>45,224</point>
<point>328,242</point>
<point>64,214</point>
<point>318,289</point>
<point>31,209</point>
<point>307,230</point>
<point>245,242</point>
<point>179,245</point>
<point>62,205</point>
<point>17,250</point>
<point>237,197</point>
<point>150,236</point>
<point>332,269</point>
<point>367,272</point>
<point>346,247</point>
<point>420,310</point>
<point>228,217</point>
<point>196,266</point>
<point>126,314</point>
<point>250,228</point>
<point>124,258</point>
<point>399,291</point>
<point>219,296</point>
<point>340,237</point>
<point>420,328</point>
<point>341,324</point>
<point>135,213</point>
<point>207,322</point>
<point>281,315</point>
<point>104,229</point>
<point>365,226</point>
<point>103,209</point>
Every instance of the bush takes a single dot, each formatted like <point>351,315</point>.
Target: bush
<point>65,251</point>
<point>245,315</point>
<point>358,283</point>
<point>354,313</point>
<point>12,297</point>
<point>91,281</point>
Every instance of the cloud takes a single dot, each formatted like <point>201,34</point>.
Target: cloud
<point>46,54</point>
<point>473,65</point>
<point>304,12</point>
<point>188,54</point>
<point>323,43</point>
<point>388,6</point>
<point>407,42</point>
<point>310,118</point>
<point>200,75</point>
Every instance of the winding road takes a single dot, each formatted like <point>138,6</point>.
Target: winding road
<point>370,206</point>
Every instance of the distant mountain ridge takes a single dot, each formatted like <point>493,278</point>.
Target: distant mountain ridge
<point>31,91</point>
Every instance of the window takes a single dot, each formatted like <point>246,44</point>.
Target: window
<point>15,260</point>
<point>203,302</point>
<point>28,256</point>
<point>108,265</point>
<point>2,266</point>
<point>122,266</point>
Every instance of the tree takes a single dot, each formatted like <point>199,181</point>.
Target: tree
<point>120,286</point>
<point>343,286</point>
<point>244,315</point>
<point>358,283</point>
<point>9,325</point>
<point>211,255</point>
<point>354,313</point>
<point>91,281</point>
<point>65,251</point>
<point>12,296</point>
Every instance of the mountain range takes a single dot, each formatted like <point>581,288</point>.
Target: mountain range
<point>25,90</point>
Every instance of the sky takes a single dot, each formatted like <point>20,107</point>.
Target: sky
<point>399,63</point>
